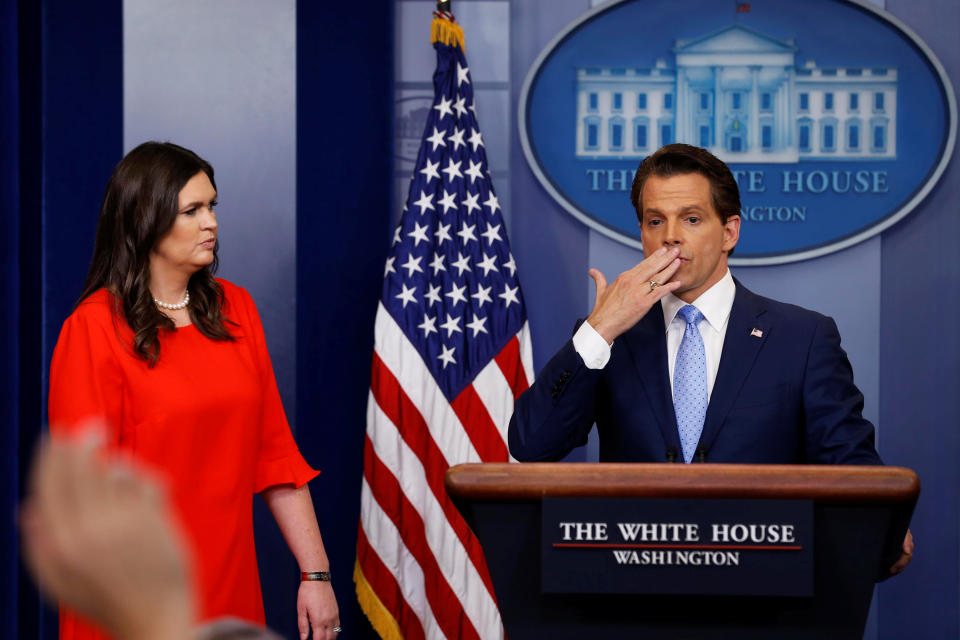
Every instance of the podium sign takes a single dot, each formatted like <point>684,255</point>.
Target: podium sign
<point>680,546</point>
<point>857,517</point>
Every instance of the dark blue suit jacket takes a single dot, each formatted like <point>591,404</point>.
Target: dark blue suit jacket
<point>787,397</point>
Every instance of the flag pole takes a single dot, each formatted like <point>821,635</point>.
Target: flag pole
<point>444,28</point>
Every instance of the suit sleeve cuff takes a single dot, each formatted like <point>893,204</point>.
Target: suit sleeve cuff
<point>591,346</point>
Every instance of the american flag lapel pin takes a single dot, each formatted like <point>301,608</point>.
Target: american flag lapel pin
<point>756,333</point>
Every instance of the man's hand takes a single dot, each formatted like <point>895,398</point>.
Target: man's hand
<point>317,609</point>
<point>627,299</point>
<point>97,535</point>
<point>906,556</point>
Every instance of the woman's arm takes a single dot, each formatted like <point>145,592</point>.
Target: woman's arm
<point>292,508</point>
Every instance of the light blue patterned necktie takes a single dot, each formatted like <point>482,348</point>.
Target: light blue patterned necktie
<point>690,383</point>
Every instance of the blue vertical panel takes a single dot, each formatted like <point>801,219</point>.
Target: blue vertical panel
<point>344,213</point>
<point>9,317</point>
<point>71,127</point>
<point>540,231</point>
<point>83,120</point>
<point>29,359</point>
<point>920,356</point>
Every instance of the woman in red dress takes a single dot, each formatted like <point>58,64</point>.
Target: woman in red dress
<point>176,363</point>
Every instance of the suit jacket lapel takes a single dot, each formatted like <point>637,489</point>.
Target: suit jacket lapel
<point>646,342</point>
<point>740,348</point>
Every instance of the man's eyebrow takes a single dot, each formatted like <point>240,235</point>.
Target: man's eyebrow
<point>684,209</point>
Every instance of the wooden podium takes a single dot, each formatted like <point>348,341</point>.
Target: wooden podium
<point>861,515</point>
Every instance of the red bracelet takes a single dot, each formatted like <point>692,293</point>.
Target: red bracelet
<point>309,576</point>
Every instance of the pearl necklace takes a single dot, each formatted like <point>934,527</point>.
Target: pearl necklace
<point>173,307</point>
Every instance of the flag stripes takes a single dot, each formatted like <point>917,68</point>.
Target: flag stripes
<point>395,407</point>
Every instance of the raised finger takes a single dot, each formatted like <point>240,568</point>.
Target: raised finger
<point>600,281</point>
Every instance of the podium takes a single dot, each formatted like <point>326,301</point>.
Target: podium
<point>860,517</point>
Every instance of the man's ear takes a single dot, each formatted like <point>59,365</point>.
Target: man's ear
<point>731,233</point>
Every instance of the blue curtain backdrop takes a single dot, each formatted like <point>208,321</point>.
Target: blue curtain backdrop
<point>61,121</point>
<point>10,292</point>
<point>344,213</point>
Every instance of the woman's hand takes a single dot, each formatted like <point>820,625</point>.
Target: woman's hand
<point>317,609</point>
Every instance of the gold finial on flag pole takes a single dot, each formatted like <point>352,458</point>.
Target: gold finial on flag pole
<point>444,28</point>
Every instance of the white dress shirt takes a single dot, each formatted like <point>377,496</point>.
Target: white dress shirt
<point>715,304</point>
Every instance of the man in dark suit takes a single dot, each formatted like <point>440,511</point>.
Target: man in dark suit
<point>679,362</point>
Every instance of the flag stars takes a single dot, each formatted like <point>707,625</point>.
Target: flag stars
<point>388,268</point>
<point>482,295</point>
<point>475,139</point>
<point>470,202</point>
<point>488,264</point>
<point>456,139</point>
<point>477,325</point>
<point>462,264</point>
<point>462,75</point>
<point>432,294</point>
<point>412,265</point>
<point>510,264</point>
<point>444,107</point>
<point>430,171</point>
<point>451,325</point>
<point>456,294</point>
<point>492,202</point>
<point>437,263</point>
<point>407,295</point>
<point>428,325</point>
<point>437,139</point>
<point>466,233</point>
<point>418,234</point>
<point>442,233</point>
<point>475,171</point>
<point>473,108</point>
<point>492,233</point>
<point>460,106</point>
<point>425,202</point>
<point>453,170</point>
<point>446,356</point>
<point>509,295</point>
<point>396,232</point>
<point>448,201</point>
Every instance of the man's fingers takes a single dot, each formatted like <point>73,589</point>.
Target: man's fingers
<point>656,262</point>
<point>663,276</point>
<point>906,556</point>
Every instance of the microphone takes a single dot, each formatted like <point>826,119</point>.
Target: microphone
<point>701,453</point>
<point>671,453</point>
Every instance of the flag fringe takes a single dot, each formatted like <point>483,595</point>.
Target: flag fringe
<point>446,32</point>
<point>382,621</point>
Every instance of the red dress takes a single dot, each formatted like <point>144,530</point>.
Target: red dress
<point>208,416</point>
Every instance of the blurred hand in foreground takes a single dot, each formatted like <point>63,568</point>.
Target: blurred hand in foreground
<point>98,536</point>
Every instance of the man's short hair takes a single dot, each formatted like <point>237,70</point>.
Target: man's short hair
<point>684,159</point>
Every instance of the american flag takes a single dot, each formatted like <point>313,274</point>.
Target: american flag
<point>452,352</point>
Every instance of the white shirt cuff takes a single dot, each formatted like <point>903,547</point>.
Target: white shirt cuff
<point>591,346</point>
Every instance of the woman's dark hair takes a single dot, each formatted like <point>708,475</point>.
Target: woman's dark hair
<point>684,159</point>
<point>139,208</point>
